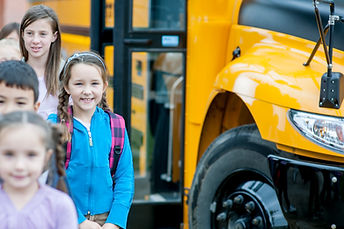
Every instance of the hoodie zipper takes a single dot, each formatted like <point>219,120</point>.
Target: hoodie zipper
<point>91,172</point>
<point>90,137</point>
<point>92,162</point>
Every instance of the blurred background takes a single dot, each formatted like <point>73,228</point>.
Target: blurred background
<point>12,10</point>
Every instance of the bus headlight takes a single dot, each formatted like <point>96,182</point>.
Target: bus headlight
<point>325,130</point>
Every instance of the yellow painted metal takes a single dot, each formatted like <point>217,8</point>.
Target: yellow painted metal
<point>72,43</point>
<point>208,31</point>
<point>271,79</point>
<point>141,14</point>
<point>72,13</point>
<point>108,58</point>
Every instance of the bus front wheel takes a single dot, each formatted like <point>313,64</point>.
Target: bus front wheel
<point>232,184</point>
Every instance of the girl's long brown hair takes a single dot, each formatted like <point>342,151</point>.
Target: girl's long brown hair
<point>54,58</point>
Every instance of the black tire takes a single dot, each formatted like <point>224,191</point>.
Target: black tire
<point>234,159</point>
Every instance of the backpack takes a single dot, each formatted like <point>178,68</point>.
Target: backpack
<point>117,134</point>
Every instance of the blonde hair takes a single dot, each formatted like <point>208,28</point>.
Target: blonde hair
<point>89,58</point>
<point>6,45</point>
<point>54,58</point>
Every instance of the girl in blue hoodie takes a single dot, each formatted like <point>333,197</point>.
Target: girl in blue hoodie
<point>100,203</point>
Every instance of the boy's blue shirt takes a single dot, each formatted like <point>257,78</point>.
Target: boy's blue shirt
<point>88,172</point>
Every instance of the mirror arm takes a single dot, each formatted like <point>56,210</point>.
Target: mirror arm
<point>316,47</point>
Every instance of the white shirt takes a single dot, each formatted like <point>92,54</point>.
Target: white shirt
<point>48,102</point>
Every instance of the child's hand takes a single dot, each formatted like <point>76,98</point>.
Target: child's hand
<point>110,226</point>
<point>87,224</point>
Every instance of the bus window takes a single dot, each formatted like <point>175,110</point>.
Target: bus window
<point>156,105</point>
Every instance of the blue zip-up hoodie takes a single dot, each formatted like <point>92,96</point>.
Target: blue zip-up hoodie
<point>88,172</point>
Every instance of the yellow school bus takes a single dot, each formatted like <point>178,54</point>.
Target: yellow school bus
<point>234,107</point>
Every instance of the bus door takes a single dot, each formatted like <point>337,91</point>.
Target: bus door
<point>149,75</point>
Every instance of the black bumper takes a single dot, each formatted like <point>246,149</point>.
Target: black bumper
<point>311,194</point>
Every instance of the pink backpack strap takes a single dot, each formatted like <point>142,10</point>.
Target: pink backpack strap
<point>112,124</point>
<point>117,133</point>
<point>117,125</point>
<point>69,143</point>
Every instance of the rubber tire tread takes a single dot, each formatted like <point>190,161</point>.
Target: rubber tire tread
<point>240,148</point>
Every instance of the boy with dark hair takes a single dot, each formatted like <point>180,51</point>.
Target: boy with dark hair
<point>19,91</point>
<point>18,87</point>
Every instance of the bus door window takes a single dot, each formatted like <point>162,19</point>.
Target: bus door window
<point>157,86</point>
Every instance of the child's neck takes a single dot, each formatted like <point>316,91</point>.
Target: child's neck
<point>84,116</point>
<point>20,197</point>
<point>38,65</point>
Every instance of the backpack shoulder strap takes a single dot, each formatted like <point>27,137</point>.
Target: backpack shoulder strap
<point>117,133</point>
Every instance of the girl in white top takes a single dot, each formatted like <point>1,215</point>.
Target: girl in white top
<point>40,44</point>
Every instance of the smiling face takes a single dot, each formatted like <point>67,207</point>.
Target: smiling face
<point>22,164</point>
<point>86,87</point>
<point>38,37</point>
<point>15,99</point>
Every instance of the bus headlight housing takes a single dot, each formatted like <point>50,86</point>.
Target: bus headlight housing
<point>325,130</point>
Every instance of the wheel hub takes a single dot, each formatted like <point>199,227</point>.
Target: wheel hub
<point>245,207</point>
<point>244,212</point>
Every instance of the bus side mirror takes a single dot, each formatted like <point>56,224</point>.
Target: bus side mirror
<point>331,90</point>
